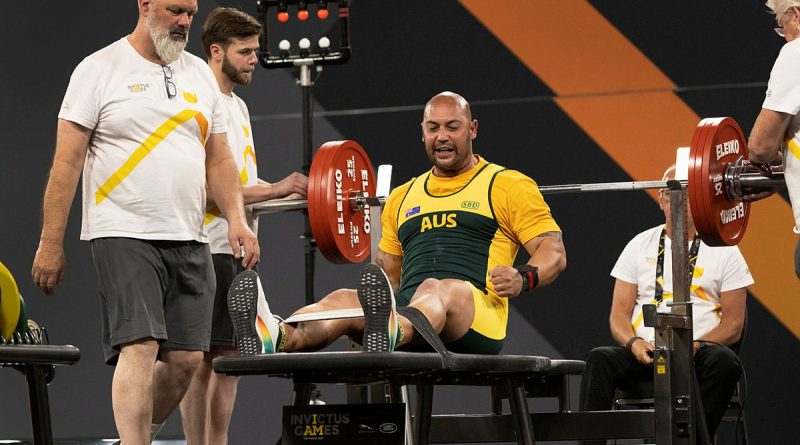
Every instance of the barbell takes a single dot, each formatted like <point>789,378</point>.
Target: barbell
<point>341,189</point>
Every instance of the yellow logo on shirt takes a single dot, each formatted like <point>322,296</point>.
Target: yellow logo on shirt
<point>190,97</point>
<point>437,221</point>
<point>246,131</point>
<point>138,87</point>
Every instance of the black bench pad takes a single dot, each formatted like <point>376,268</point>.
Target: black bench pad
<point>361,367</point>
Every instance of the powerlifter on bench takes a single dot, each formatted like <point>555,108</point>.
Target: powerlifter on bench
<point>674,420</point>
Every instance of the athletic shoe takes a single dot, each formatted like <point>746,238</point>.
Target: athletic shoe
<point>257,330</point>
<point>380,316</point>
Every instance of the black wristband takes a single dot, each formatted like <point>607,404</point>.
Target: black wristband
<point>631,341</point>
<point>530,277</point>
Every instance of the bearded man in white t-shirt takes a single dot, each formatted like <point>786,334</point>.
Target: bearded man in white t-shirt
<point>230,40</point>
<point>144,122</point>
<point>718,291</point>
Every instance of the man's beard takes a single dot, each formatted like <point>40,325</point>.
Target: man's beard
<point>237,77</point>
<point>168,48</point>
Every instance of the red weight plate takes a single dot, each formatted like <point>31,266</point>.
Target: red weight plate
<point>340,170</point>
<point>719,220</point>
<point>344,170</point>
<point>706,195</point>
<point>695,174</point>
<point>733,215</point>
<point>317,197</point>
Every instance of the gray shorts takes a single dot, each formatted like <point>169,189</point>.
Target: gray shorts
<point>226,267</point>
<point>157,289</point>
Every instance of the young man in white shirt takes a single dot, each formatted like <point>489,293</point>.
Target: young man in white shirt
<point>142,119</point>
<point>718,290</point>
<point>230,40</point>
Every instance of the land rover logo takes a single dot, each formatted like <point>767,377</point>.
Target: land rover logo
<point>388,428</point>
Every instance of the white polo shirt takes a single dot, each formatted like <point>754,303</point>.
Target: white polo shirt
<point>144,175</point>
<point>783,95</point>
<point>717,270</point>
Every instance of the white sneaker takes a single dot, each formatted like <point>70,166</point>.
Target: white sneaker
<point>380,314</point>
<point>257,330</point>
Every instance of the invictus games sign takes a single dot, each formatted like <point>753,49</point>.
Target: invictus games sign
<point>344,424</point>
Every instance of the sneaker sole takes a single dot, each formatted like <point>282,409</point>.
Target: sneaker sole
<point>375,296</point>
<point>242,306</point>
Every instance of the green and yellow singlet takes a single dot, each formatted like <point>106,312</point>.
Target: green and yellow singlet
<point>460,228</point>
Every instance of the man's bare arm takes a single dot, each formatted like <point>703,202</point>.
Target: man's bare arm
<point>72,141</point>
<point>546,252</point>
<point>622,304</point>
<point>768,135</point>
<point>223,183</point>
<point>548,255</point>
<point>734,308</point>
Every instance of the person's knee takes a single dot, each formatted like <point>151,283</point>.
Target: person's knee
<point>143,349</point>
<point>721,361</point>
<point>342,294</point>
<point>337,298</point>
<point>429,286</point>
<point>431,291</point>
<point>600,356</point>
<point>183,362</point>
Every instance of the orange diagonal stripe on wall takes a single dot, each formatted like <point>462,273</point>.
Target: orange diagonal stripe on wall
<point>626,105</point>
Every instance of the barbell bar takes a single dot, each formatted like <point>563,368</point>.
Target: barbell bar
<point>342,183</point>
<point>743,180</point>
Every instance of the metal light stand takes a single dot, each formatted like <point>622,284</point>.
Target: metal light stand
<point>305,61</point>
<point>677,416</point>
<point>307,86</point>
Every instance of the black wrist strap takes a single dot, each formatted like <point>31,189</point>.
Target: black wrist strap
<point>631,341</point>
<point>530,276</point>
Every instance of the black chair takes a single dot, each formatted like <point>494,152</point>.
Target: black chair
<point>640,396</point>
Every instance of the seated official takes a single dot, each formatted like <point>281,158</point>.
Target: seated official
<point>643,275</point>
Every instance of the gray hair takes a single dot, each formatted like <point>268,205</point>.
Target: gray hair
<point>669,173</point>
<point>779,7</point>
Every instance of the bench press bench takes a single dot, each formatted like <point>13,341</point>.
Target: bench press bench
<point>515,377</point>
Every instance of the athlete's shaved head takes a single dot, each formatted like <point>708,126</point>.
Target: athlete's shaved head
<point>448,96</point>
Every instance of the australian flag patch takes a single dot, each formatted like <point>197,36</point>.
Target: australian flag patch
<point>412,211</point>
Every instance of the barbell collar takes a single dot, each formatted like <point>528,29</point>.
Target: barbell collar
<point>757,180</point>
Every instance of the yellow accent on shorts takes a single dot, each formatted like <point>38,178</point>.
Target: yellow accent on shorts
<point>491,314</point>
<point>147,146</point>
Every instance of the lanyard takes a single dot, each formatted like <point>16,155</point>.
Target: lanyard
<point>659,297</point>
